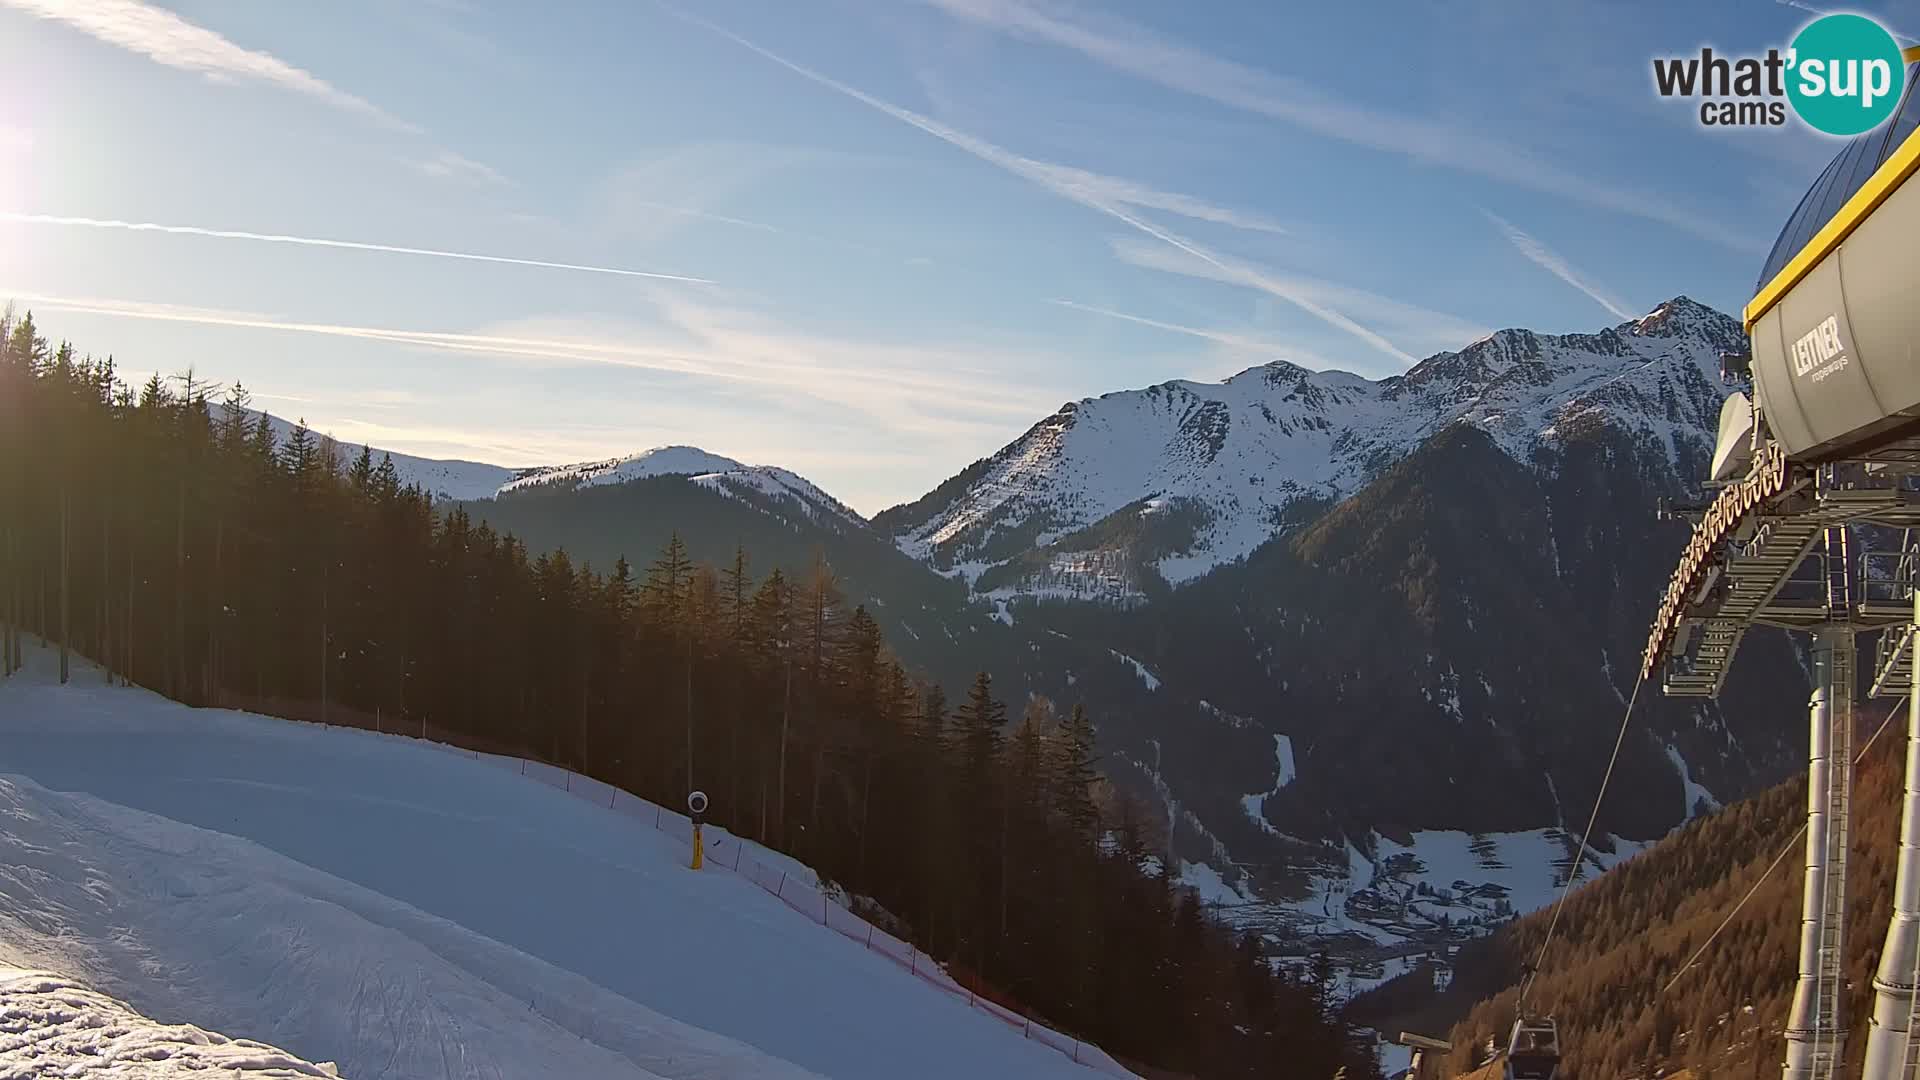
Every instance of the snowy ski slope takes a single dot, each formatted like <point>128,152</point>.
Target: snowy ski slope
<point>406,912</point>
<point>52,1026</point>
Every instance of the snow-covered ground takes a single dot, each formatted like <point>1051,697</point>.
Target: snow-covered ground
<point>407,912</point>
<point>52,1026</point>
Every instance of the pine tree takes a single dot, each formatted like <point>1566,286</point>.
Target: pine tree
<point>979,721</point>
<point>297,457</point>
<point>774,629</point>
<point>361,476</point>
<point>736,617</point>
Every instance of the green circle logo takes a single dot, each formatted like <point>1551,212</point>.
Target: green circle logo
<point>1845,74</point>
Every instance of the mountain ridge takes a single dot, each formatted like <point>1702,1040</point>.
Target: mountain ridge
<point>1229,461</point>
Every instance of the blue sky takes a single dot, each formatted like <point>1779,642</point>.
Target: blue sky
<point>917,225</point>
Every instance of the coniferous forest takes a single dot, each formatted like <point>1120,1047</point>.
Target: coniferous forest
<point>165,534</point>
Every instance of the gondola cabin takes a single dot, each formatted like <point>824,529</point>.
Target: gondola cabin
<point>1533,1053</point>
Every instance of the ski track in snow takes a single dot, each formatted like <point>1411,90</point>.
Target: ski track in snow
<point>410,913</point>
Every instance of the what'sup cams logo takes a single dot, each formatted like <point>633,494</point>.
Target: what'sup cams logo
<point>1843,74</point>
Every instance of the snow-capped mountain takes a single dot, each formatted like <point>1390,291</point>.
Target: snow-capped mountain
<point>461,481</point>
<point>719,474</point>
<point>1177,479</point>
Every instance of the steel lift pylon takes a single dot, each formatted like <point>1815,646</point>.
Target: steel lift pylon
<point>1819,463</point>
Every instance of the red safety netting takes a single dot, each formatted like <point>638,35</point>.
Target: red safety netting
<point>900,952</point>
<point>594,791</point>
<point>503,762</point>
<point>803,898</point>
<point>849,925</point>
<point>550,775</point>
<point>677,826</point>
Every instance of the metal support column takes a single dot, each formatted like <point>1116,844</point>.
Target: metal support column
<point>1891,1047</point>
<point>1815,1031</point>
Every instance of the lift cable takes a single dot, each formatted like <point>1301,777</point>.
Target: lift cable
<point>1785,849</point>
<point>1580,858</point>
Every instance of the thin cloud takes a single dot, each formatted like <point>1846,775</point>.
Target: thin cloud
<point>1111,190</point>
<point>1220,337</point>
<point>351,245</point>
<point>447,165</point>
<point>528,348</point>
<point>1831,11</point>
<point>166,38</point>
<point>1118,190</point>
<point>1408,322</point>
<point>1550,261</point>
<point>879,380</point>
<point>1075,184</point>
<point>1136,51</point>
<point>764,227</point>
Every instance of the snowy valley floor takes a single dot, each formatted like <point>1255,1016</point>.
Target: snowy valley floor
<point>408,913</point>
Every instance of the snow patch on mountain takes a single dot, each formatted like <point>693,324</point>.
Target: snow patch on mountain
<point>1211,887</point>
<point>781,486</point>
<point>1286,773</point>
<point>1151,680</point>
<point>1699,799</point>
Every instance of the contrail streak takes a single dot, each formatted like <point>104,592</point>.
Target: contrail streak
<point>1066,182</point>
<point>1222,337</point>
<point>351,245</point>
<point>1550,261</point>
